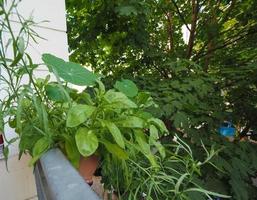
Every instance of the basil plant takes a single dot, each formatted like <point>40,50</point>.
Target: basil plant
<point>95,121</point>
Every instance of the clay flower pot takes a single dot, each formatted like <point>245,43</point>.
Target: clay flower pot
<point>87,167</point>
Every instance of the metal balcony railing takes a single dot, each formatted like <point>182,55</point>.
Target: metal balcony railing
<point>56,179</point>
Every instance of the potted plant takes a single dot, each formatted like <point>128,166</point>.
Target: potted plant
<point>100,121</point>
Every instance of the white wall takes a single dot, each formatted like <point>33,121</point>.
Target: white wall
<point>18,183</point>
<point>53,31</point>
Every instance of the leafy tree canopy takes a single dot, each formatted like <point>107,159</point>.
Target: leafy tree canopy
<point>212,70</point>
<point>198,59</point>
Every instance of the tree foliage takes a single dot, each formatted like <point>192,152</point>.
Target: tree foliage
<point>198,59</point>
<point>145,39</point>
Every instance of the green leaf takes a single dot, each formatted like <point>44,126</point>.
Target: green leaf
<point>86,141</point>
<point>159,123</point>
<point>144,98</point>
<point>141,140</point>
<point>21,45</point>
<point>6,152</point>
<point>55,93</point>
<point>154,132</point>
<point>145,147</point>
<point>144,115</point>
<point>72,152</point>
<point>12,140</point>
<point>69,71</point>
<point>127,87</point>
<point>79,114</point>
<point>205,191</point>
<point>179,182</point>
<point>159,147</point>
<point>115,150</point>
<point>101,86</point>
<point>87,98</point>
<point>16,59</point>
<point>40,147</point>
<point>119,100</point>
<point>132,122</point>
<point>115,131</point>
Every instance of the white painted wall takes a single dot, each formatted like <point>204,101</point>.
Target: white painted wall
<point>54,32</point>
<point>18,183</point>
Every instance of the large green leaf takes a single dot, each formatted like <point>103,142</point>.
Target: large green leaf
<point>40,147</point>
<point>142,141</point>
<point>72,151</point>
<point>86,141</point>
<point>119,100</point>
<point>154,132</point>
<point>79,114</point>
<point>144,98</point>
<point>69,71</point>
<point>132,122</point>
<point>55,93</point>
<point>115,150</point>
<point>115,131</point>
<point>159,123</point>
<point>145,147</point>
<point>127,87</point>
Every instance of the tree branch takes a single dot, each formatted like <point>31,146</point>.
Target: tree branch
<point>228,11</point>
<point>226,44</point>
<point>213,22</point>
<point>241,31</point>
<point>193,27</point>
<point>170,30</point>
<point>180,15</point>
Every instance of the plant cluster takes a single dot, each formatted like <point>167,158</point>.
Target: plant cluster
<point>113,124</point>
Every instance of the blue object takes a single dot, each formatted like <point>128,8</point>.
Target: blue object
<point>227,129</point>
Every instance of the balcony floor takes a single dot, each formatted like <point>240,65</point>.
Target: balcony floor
<point>18,183</point>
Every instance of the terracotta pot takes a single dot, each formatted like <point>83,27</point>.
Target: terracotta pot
<point>88,166</point>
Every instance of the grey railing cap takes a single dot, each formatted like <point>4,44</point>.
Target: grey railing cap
<point>63,180</point>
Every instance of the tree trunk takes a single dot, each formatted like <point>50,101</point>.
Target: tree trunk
<point>193,28</point>
<point>211,36</point>
<point>170,31</point>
